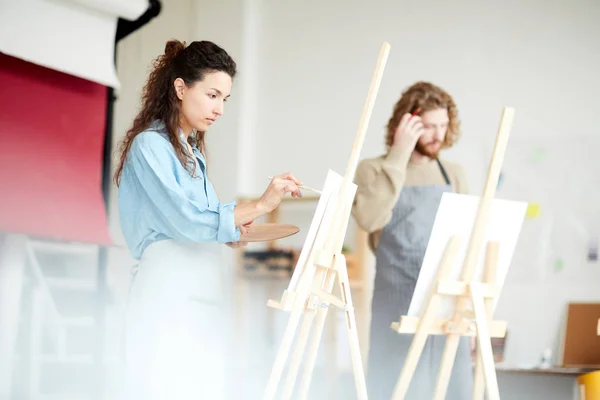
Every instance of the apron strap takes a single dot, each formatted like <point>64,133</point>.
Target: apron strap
<point>443,171</point>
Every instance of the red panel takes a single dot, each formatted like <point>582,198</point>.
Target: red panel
<point>51,142</point>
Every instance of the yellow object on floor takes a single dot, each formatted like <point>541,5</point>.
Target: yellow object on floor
<point>589,386</point>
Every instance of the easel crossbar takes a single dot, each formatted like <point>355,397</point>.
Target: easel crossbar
<point>478,324</point>
<point>466,327</point>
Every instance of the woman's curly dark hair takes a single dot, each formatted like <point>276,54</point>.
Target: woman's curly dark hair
<point>159,100</point>
<point>425,96</point>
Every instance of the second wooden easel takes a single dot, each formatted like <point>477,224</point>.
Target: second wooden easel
<point>321,262</point>
<point>474,300</point>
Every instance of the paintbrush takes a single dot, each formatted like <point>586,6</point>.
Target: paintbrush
<point>304,187</point>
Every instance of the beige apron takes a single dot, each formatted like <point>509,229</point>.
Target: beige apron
<point>175,327</point>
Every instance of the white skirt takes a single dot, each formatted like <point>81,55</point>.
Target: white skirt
<point>175,328</point>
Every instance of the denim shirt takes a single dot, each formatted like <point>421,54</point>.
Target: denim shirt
<point>159,199</point>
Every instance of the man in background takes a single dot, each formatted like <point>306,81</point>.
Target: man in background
<point>396,202</point>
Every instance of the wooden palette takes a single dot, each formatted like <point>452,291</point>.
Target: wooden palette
<point>268,231</point>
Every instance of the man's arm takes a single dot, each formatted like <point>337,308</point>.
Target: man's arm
<point>380,181</point>
<point>379,184</point>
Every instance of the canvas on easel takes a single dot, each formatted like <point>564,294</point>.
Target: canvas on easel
<point>467,258</point>
<point>455,217</point>
<point>320,265</point>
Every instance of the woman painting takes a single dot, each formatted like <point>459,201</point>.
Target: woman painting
<point>172,218</point>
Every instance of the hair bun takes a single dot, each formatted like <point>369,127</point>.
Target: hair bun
<point>173,48</point>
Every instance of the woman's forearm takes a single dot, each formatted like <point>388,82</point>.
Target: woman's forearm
<point>247,212</point>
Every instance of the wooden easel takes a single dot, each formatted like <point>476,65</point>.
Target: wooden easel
<point>466,321</point>
<point>309,293</point>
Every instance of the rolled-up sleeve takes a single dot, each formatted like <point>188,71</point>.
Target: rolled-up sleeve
<point>176,215</point>
<point>227,231</point>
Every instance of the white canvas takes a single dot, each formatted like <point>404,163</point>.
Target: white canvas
<point>456,216</point>
<point>322,218</point>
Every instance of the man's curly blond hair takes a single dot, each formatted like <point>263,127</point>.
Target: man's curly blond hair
<point>424,96</point>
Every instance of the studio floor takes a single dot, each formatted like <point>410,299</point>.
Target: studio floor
<point>255,336</point>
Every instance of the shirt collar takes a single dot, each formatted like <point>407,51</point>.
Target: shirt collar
<point>184,140</point>
<point>159,126</point>
<point>182,136</point>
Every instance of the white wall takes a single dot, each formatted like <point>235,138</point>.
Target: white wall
<point>317,58</point>
<point>305,68</point>
<point>315,64</point>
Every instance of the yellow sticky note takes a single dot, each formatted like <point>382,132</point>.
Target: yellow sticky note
<point>533,210</point>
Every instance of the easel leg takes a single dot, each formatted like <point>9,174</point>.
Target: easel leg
<point>421,334</point>
<point>283,352</point>
<point>447,363</point>
<point>484,343</point>
<point>317,333</point>
<point>294,366</point>
<point>491,261</point>
<point>357,366</point>
<point>478,379</point>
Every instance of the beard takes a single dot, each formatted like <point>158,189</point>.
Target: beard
<point>431,149</point>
